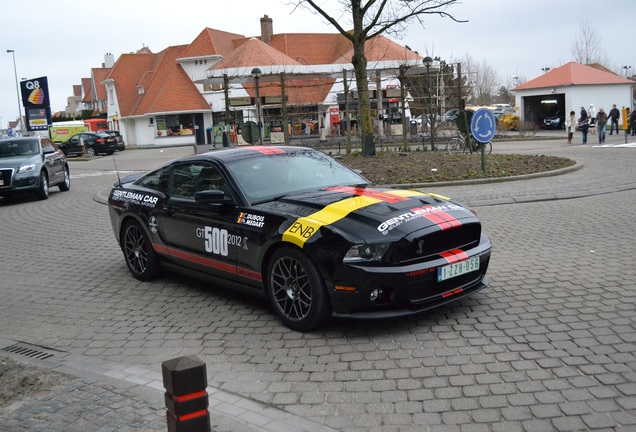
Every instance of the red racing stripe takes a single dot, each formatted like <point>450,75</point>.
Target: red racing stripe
<point>218,265</point>
<point>454,256</point>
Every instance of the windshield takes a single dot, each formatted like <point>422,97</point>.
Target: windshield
<point>10,148</point>
<point>269,177</point>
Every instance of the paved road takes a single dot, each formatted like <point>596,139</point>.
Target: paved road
<point>549,346</point>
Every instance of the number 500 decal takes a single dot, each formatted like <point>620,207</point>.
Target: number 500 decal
<point>216,241</point>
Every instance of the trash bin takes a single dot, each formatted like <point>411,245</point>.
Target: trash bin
<point>368,148</point>
<point>225,140</point>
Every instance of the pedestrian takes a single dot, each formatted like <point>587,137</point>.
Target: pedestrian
<point>583,114</point>
<point>591,112</point>
<point>601,125</point>
<point>614,115</point>
<point>628,126</point>
<point>584,126</point>
<point>632,122</point>
<point>570,125</point>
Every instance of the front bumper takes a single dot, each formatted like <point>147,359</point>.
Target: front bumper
<point>405,290</point>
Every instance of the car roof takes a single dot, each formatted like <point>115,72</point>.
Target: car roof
<point>246,152</point>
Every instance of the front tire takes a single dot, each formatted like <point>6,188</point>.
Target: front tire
<point>296,290</point>
<point>43,190</point>
<point>141,259</point>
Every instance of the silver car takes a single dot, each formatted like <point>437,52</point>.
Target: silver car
<point>31,165</point>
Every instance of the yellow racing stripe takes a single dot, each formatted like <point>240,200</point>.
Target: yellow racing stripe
<point>307,226</point>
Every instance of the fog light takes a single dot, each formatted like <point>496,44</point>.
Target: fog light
<point>375,294</point>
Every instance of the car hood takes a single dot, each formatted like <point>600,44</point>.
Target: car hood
<point>373,214</point>
<point>17,161</point>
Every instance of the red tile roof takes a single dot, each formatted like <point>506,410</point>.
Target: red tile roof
<point>254,52</point>
<point>166,86</point>
<point>212,42</point>
<point>86,87</point>
<point>574,74</point>
<point>98,76</point>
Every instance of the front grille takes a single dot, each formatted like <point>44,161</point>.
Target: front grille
<point>464,237</point>
<point>6,175</point>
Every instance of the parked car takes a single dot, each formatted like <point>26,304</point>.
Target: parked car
<point>302,230</point>
<point>557,121</point>
<point>450,116</point>
<point>95,143</point>
<point>32,165</point>
<point>121,146</point>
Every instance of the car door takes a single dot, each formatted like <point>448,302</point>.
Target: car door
<point>74,145</point>
<point>53,160</point>
<point>199,235</point>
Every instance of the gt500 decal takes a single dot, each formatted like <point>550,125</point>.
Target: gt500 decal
<point>217,240</point>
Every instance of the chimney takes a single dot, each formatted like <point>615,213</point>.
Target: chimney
<point>109,60</point>
<point>267,29</point>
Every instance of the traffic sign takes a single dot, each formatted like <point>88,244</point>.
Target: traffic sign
<point>483,125</point>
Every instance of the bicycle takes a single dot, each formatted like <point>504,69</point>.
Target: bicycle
<point>458,144</point>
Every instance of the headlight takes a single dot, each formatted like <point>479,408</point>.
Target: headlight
<point>366,252</point>
<point>26,168</point>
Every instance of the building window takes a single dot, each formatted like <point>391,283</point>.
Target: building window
<point>175,125</point>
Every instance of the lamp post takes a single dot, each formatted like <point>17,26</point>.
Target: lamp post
<point>428,61</point>
<point>256,74</point>
<point>17,90</point>
<point>545,69</point>
<point>627,68</point>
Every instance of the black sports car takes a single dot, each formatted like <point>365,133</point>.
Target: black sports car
<point>300,228</point>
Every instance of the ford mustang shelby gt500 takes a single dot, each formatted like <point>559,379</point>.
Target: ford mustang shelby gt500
<point>302,229</point>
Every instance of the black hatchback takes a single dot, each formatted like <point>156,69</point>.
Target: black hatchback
<point>91,143</point>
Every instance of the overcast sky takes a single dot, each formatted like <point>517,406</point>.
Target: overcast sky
<point>64,39</point>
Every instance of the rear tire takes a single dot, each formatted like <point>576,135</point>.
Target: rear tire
<point>66,184</point>
<point>455,145</point>
<point>91,152</point>
<point>296,290</point>
<point>141,259</point>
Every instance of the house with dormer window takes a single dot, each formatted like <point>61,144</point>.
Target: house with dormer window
<point>182,93</point>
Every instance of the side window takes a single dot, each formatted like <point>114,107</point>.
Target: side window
<point>48,146</point>
<point>156,180</point>
<point>188,179</point>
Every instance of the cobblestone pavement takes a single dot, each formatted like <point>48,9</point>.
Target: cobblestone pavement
<point>548,346</point>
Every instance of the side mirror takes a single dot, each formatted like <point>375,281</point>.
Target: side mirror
<point>212,196</point>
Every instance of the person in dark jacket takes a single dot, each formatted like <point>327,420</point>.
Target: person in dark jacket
<point>614,115</point>
<point>632,122</point>
<point>584,126</point>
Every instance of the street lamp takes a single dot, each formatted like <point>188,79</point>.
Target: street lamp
<point>428,62</point>
<point>627,68</point>
<point>256,74</point>
<point>545,69</point>
<point>17,90</point>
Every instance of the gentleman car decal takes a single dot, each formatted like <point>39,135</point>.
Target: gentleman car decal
<point>135,198</point>
<point>208,262</point>
<point>454,255</point>
<point>436,214</point>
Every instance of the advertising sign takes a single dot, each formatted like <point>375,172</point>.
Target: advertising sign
<point>38,118</point>
<point>35,93</point>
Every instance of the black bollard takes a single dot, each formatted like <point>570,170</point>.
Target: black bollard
<point>185,380</point>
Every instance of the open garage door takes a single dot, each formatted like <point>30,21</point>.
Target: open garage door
<point>550,106</point>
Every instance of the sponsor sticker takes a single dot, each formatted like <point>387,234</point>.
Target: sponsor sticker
<point>135,198</point>
<point>251,219</point>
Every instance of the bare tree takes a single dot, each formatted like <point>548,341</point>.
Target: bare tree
<point>587,46</point>
<point>480,80</point>
<point>371,18</point>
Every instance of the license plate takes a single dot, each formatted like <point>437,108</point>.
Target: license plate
<point>457,269</point>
